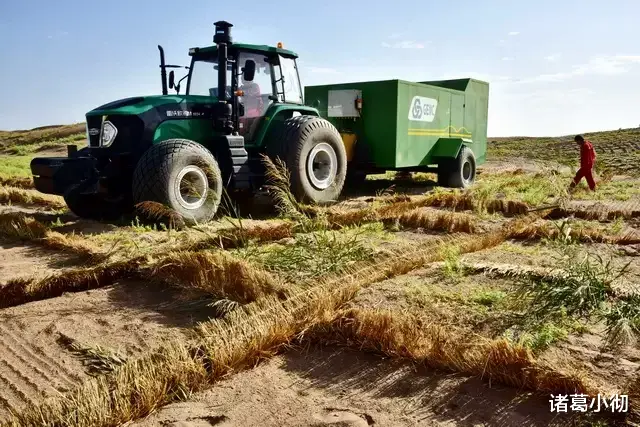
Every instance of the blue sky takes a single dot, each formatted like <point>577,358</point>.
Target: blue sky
<point>555,67</point>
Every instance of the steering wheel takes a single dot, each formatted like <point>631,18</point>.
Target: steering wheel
<point>214,91</point>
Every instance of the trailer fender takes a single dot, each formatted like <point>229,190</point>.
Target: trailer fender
<point>449,148</point>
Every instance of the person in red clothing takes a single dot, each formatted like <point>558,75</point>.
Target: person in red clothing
<point>587,160</point>
<point>253,104</point>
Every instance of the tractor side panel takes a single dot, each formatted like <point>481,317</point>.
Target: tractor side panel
<point>197,130</point>
<point>369,135</point>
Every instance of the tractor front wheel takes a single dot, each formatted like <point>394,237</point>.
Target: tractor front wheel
<point>96,206</point>
<point>459,172</point>
<point>182,175</point>
<point>315,156</point>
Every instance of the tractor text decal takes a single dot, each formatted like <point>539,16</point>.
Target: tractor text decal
<point>185,113</point>
<point>422,109</point>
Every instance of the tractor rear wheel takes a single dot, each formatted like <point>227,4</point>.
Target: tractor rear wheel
<point>315,156</point>
<point>182,175</point>
<point>459,173</point>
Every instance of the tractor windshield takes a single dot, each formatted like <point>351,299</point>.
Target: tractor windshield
<point>203,78</point>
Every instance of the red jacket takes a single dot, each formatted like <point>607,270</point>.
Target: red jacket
<point>587,155</point>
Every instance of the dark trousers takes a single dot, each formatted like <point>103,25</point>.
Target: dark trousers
<point>585,173</point>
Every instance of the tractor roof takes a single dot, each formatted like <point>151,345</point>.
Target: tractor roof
<point>246,46</point>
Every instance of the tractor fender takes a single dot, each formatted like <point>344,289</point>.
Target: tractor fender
<point>275,116</point>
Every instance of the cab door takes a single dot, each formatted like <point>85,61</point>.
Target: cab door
<point>255,94</point>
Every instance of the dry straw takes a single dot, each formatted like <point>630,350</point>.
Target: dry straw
<point>17,182</point>
<point>217,274</point>
<point>30,197</point>
<point>20,291</point>
<point>16,225</point>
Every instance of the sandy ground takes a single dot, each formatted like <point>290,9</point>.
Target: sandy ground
<point>338,387</point>
<point>22,261</point>
<point>129,318</point>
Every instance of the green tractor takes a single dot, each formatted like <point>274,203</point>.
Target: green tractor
<point>183,151</point>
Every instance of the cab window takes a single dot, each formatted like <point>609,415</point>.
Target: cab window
<point>291,81</point>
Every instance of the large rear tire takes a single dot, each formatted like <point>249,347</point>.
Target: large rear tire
<point>315,156</point>
<point>182,175</point>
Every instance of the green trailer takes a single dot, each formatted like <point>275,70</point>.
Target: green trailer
<point>243,102</point>
<point>438,126</point>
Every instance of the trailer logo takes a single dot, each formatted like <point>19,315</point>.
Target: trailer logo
<point>422,109</point>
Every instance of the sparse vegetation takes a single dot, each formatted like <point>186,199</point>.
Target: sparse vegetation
<point>313,255</point>
<point>15,167</point>
<point>584,288</point>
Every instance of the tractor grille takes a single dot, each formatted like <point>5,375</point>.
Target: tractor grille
<point>130,134</point>
<point>93,129</point>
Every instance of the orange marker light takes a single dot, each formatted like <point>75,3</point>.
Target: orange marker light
<point>280,45</point>
<point>239,93</point>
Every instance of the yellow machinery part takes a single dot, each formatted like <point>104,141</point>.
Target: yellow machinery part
<point>349,141</point>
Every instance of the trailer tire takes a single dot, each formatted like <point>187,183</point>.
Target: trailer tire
<point>463,173</point>
<point>304,142</point>
<point>167,172</point>
<point>444,172</point>
<point>96,206</point>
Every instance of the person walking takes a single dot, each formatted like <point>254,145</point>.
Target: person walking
<point>587,161</point>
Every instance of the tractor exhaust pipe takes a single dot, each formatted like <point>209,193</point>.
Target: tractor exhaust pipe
<point>163,71</point>
<point>222,38</point>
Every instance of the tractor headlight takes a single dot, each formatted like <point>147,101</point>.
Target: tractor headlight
<point>109,133</point>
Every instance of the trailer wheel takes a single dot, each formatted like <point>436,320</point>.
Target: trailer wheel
<point>96,206</point>
<point>182,175</point>
<point>315,155</point>
<point>463,173</point>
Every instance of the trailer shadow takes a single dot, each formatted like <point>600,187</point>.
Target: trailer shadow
<point>376,187</point>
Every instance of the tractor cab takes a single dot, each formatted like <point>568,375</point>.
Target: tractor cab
<point>257,77</point>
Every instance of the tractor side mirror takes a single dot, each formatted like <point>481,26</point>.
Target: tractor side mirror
<point>249,70</point>
<point>172,79</point>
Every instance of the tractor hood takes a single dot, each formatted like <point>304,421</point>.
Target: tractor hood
<point>143,104</point>
<point>134,123</point>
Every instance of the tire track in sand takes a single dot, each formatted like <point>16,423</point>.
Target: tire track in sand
<point>27,373</point>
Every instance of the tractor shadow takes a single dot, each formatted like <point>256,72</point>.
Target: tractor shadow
<point>160,303</point>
